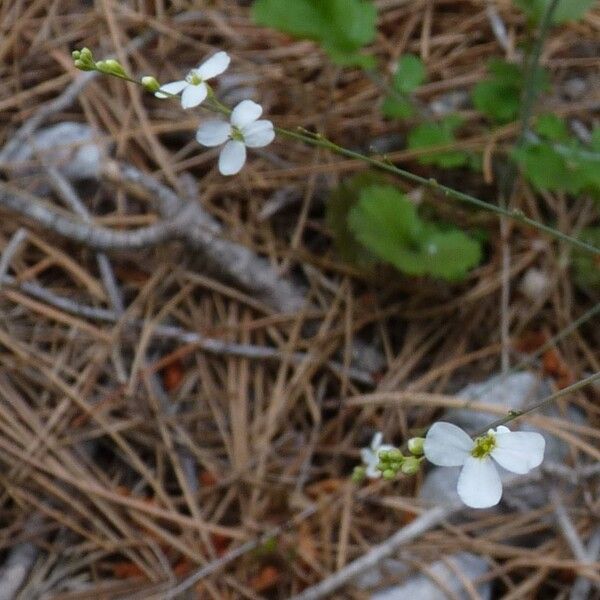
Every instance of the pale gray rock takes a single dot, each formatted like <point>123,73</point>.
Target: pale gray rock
<point>450,571</point>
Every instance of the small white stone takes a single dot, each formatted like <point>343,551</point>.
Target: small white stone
<point>535,284</point>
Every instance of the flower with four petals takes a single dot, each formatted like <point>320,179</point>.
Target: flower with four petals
<point>479,484</point>
<point>245,129</point>
<point>193,88</point>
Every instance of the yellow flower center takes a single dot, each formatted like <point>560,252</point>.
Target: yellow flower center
<point>483,445</point>
<point>236,134</point>
<point>193,78</point>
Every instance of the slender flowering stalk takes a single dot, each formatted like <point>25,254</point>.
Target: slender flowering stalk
<point>479,484</point>
<point>193,88</point>
<point>195,82</point>
<point>244,130</point>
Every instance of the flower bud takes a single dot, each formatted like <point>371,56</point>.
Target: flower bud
<point>150,83</point>
<point>83,59</point>
<point>415,445</point>
<point>111,66</point>
<point>389,474</point>
<point>395,455</point>
<point>358,474</point>
<point>411,465</point>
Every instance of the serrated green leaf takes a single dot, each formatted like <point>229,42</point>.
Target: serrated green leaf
<point>429,135</point>
<point>342,27</point>
<point>397,108</point>
<point>566,10</point>
<point>409,75</point>
<point>387,223</point>
<point>585,265</point>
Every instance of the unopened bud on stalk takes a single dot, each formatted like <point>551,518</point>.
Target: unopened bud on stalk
<point>415,445</point>
<point>150,83</point>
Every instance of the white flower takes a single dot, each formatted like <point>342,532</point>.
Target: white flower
<point>370,455</point>
<point>243,130</point>
<point>194,86</point>
<point>479,484</point>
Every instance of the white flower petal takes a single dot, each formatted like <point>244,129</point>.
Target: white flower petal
<point>384,448</point>
<point>213,66</point>
<point>372,472</point>
<point>479,484</point>
<point>244,113</point>
<point>258,134</point>
<point>232,158</point>
<point>447,445</point>
<point>213,133</point>
<point>193,95</point>
<point>376,441</point>
<point>368,456</point>
<point>518,451</point>
<point>171,88</point>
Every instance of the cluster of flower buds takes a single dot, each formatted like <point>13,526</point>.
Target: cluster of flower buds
<point>392,462</point>
<point>384,460</point>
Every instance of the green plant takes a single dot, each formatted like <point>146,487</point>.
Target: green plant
<point>566,10</point>
<point>556,161</point>
<point>431,135</point>
<point>339,204</point>
<point>387,224</point>
<point>409,75</point>
<point>341,27</point>
<point>499,96</point>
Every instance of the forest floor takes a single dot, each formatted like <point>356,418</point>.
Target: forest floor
<point>188,369</point>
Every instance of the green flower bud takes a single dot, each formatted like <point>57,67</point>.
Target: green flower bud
<point>411,465</point>
<point>384,455</point>
<point>358,474</point>
<point>83,59</point>
<point>389,474</point>
<point>395,455</point>
<point>415,445</point>
<point>150,84</point>
<point>111,67</point>
<point>83,65</point>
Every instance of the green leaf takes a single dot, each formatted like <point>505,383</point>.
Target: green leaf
<point>409,74</point>
<point>499,96</point>
<point>552,127</point>
<point>565,166</point>
<point>397,108</point>
<point>340,202</point>
<point>586,265</point>
<point>342,27</point>
<point>429,135</point>
<point>386,222</point>
<point>566,10</point>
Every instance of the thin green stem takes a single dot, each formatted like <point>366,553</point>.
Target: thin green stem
<point>320,141</point>
<point>514,214</point>
<point>530,76</point>
<point>515,414</point>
